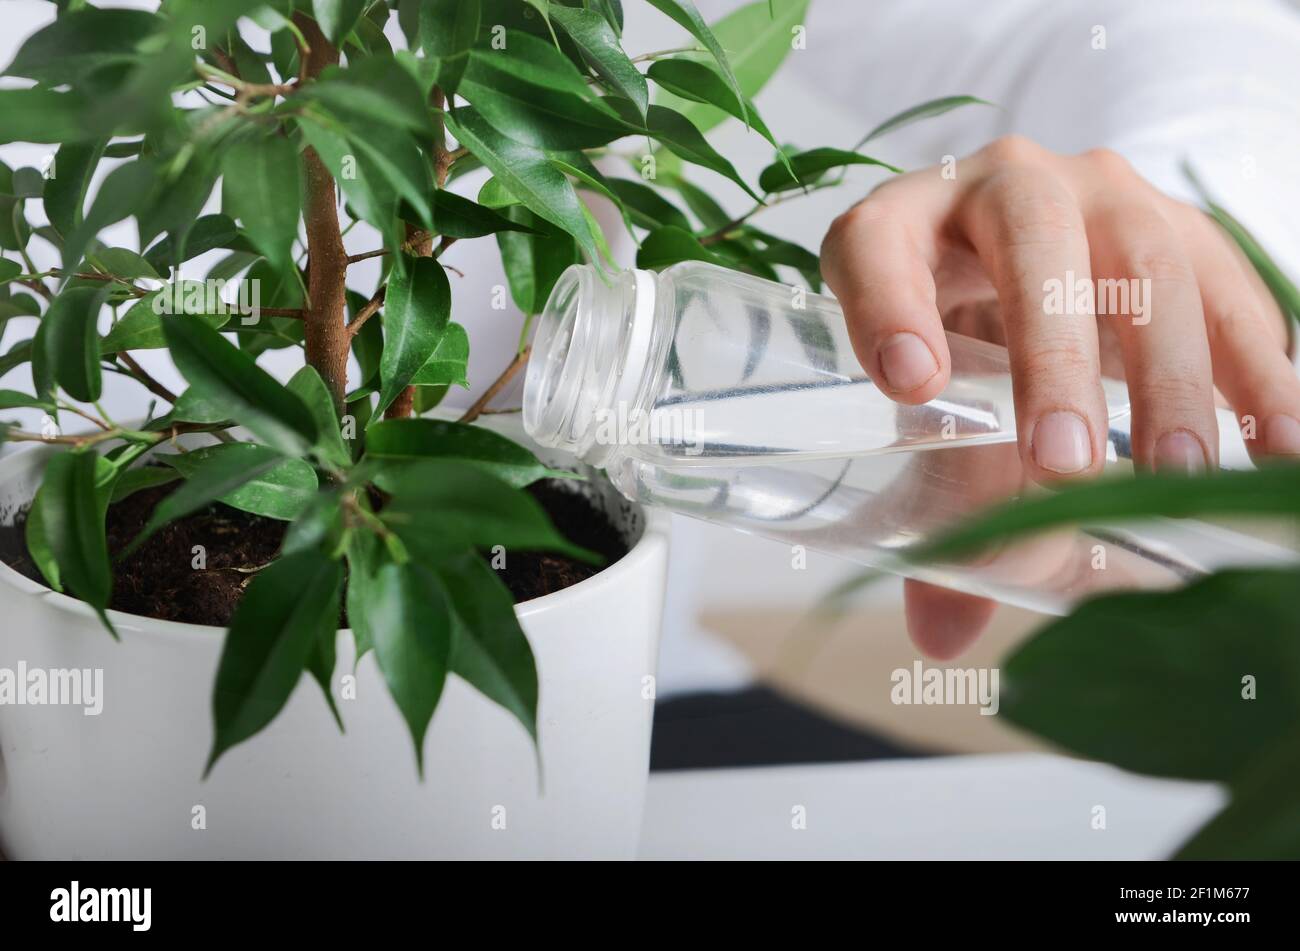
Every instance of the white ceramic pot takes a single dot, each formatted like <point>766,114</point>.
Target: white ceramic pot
<point>126,783</point>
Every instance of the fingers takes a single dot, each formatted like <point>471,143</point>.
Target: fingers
<point>1147,292</point>
<point>877,263</point>
<point>1242,321</point>
<point>1029,233</point>
<point>943,623</point>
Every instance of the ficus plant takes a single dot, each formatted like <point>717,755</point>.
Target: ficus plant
<point>261,132</point>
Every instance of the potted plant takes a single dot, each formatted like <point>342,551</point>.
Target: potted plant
<point>404,563</point>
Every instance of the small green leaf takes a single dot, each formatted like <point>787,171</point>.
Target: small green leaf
<point>213,477</point>
<point>337,17</point>
<point>489,649</point>
<point>12,399</point>
<point>667,246</point>
<point>222,374</point>
<point>43,115</point>
<point>416,311</point>
<point>447,365</point>
<point>282,492</point>
<point>646,206</point>
<point>131,481</point>
<point>684,12</point>
<point>458,217</point>
<point>684,140</point>
<point>926,110</point>
<point>437,438</point>
<point>286,610</point>
<point>533,263</point>
<point>209,232</point>
<point>808,165</point>
<point>447,29</point>
<point>123,263</point>
<point>65,192</point>
<point>376,88</point>
<point>260,185</point>
<point>125,192</point>
<point>701,83</point>
<point>9,270</point>
<point>407,614</point>
<point>308,386</point>
<point>73,343</point>
<point>141,327</point>
<point>81,43</point>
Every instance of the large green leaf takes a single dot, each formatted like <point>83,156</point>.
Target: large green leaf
<point>288,607</point>
<point>141,327</point>
<point>125,192</point>
<point>337,17</point>
<point>222,374</point>
<point>366,188</point>
<point>443,506</point>
<point>209,232</point>
<point>72,342</point>
<point>282,492</point>
<point>489,649</point>
<point>808,165</point>
<point>646,206</point>
<point>528,174</point>
<point>43,115</point>
<point>82,43</point>
<point>699,82</point>
<point>1154,682</point>
<point>406,613</point>
<point>212,478</point>
<point>70,507</point>
<point>377,88</point>
<point>457,217</point>
<point>536,96</point>
<point>65,192</point>
<point>416,310</point>
<point>595,38</point>
<point>534,262</point>
<point>447,29</point>
<point>448,364</point>
<point>684,12</point>
<point>443,439</point>
<point>260,185</point>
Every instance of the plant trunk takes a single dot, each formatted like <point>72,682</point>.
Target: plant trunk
<point>324,328</point>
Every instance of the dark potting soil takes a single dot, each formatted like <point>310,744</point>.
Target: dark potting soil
<point>159,580</point>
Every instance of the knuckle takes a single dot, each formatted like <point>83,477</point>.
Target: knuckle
<point>1029,207</point>
<point>1237,324</point>
<point>1161,263</point>
<point>1012,149</point>
<point>1110,164</point>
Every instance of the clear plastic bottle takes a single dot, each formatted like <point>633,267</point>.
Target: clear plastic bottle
<point>740,401</point>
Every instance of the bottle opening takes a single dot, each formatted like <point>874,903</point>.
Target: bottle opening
<point>589,352</point>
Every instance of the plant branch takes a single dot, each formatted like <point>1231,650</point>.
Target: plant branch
<point>368,310</point>
<point>479,405</point>
<point>145,378</point>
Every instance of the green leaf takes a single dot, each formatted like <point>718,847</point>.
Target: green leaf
<point>123,193</point>
<point>209,232</point>
<point>458,217</point>
<point>222,374</point>
<point>684,140</point>
<point>443,506</point>
<point>131,481</point>
<point>42,115</point>
<point>123,263</point>
<point>288,607</point>
<point>337,17</point>
<point>71,511</point>
<point>9,270</point>
<point>1262,821</point>
<point>38,547</point>
<point>447,30</point>
<point>527,173</point>
<point>595,38</point>
<point>436,438</point>
<point>935,107</point>
<point>260,185</point>
<point>699,82</point>
<point>447,366</point>
<point>667,246</point>
<point>141,327</point>
<point>81,43</point>
<point>646,206</point>
<point>376,88</point>
<point>808,165</point>
<point>533,263</point>
<point>212,478</point>
<point>533,94</point>
<point>282,491</point>
<point>73,343</point>
<point>684,12</point>
<point>308,386</point>
<point>416,311</point>
<point>1271,490</point>
<point>65,192</point>
<point>1153,681</point>
<point>407,614</point>
<point>364,554</point>
<point>489,649</point>
<point>13,399</point>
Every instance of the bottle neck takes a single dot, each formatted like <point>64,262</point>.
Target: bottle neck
<point>591,355</point>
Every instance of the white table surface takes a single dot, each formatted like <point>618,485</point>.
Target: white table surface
<point>1007,806</point>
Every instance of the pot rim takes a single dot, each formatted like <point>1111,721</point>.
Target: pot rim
<point>647,548</point>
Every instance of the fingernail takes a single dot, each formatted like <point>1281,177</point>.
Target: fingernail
<point>906,362</point>
<point>1179,451</point>
<point>1282,435</point>
<point>1061,443</point>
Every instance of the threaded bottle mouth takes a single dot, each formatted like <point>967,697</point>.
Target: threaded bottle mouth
<point>589,352</point>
